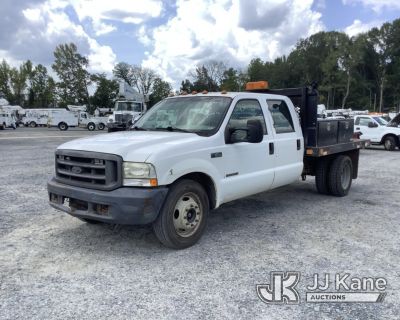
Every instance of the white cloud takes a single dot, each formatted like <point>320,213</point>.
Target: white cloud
<point>45,25</point>
<point>102,28</point>
<point>234,31</point>
<point>376,5</point>
<point>101,11</point>
<point>358,27</point>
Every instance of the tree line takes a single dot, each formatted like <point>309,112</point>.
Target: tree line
<point>361,72</point>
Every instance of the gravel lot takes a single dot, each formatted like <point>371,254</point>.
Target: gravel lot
<point>53,266</point>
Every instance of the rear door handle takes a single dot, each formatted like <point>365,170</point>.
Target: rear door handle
<point>271,148</point>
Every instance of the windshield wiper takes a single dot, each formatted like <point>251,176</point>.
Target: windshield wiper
<point>170,128</point>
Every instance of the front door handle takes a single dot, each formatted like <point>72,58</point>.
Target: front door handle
<point>357,128</point>
<point>271,148</point>
<point>298,144</point>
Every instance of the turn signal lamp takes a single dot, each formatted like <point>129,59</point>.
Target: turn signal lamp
<point>259,85</point>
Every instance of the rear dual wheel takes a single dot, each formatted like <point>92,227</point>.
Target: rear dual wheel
<point>334,177</point>
<point>91,126</point>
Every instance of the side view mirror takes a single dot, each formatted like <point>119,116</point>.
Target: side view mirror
<point>372,125</point>
<point>254,133</point>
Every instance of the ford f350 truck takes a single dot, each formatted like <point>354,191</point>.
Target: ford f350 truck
<point>192,153</point>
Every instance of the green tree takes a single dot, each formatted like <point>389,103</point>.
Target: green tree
<point>123,71</point>
<point>5,89</point>
<point>42,88</point>
<point>161,90</point>
<point>230,81</point>
<point>71,69</point>
<point>106,92</point>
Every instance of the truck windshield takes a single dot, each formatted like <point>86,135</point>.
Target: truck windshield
<point>381,121</point>
<point>129,106</point>
<point>201,115</point>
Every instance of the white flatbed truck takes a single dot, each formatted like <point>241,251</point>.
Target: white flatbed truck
<point>192,153</point>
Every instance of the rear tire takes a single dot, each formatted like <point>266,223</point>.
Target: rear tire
<point>91,126</point>
<point>32,124</point>
<point>340,176</point>
<point>183,217</point>
<point>321,176</point>
<point>62,126</point>
<point>389,143</point>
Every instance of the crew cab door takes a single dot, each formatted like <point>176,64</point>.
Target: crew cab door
<point>361,125</point>
<point>288,148</point>
<point>248,167</point>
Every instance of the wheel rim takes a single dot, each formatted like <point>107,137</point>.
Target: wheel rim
<point>346,176</point>
<point>388,144</point>
<point>187,215</point>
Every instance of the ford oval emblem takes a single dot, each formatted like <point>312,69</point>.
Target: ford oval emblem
<point>76,170</point>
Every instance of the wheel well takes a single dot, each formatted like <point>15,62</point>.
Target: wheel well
<point>396,138</point>
<point>207,183</point>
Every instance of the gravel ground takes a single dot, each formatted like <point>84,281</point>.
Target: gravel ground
<point>53,266</point>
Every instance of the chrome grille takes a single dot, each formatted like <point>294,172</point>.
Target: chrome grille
<point>88,169</point>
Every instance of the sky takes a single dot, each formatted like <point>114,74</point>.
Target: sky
<point>173,37</point>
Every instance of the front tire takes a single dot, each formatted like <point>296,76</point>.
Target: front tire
<point>32,124</point>
<point>389,143</point>
<point>183,217</point>
<point>340,176</point>
<point>101,126</point>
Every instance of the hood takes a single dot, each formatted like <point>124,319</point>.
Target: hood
<point>131,145</point>
<point>395,122</point>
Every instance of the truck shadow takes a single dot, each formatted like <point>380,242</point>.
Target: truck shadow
<point>241,217</point>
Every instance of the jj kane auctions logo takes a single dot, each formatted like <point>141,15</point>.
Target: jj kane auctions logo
<point>338,288</point>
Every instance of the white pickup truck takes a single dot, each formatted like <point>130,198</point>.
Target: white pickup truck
<point>194,152</point>
<point>378,130</point>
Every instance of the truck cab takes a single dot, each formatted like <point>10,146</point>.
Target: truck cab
<point>129,107</point>
<point>7,120</point>
<point>378,130</point>
<point>194,152</point>
<point>125,114</point>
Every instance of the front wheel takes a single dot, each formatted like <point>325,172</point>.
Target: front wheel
<point>340,176</point>
<point>389,143</point>
<point>32,124</point>
<point>101,126</point>
<point>183,217</point>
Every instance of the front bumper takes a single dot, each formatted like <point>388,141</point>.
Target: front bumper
<point>116,125</point>
<point>126,205</point>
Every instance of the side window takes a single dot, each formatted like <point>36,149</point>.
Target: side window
<point>283,122</point>
<point>364,121</point>
<point>357,122</point>
<point>246,110</point>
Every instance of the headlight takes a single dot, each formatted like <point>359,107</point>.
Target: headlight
<point>110,120</point>
<point>139,174</point>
